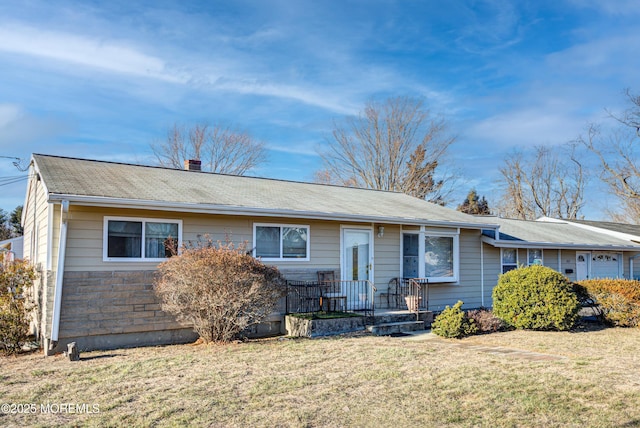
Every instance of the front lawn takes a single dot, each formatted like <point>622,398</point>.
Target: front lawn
<point>354,380</point>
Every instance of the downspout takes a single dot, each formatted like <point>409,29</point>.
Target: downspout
<point>57,298</point>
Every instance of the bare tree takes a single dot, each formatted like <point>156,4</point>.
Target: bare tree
<point>542,183</point>
<point>393,145</point>
<point>617,153</point>
<point>221,149</point>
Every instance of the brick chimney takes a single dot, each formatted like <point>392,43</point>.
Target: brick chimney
<point>192,165</point>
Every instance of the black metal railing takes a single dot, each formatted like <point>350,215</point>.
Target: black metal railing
<point>355,296</point>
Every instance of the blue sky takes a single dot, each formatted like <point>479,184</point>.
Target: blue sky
<point>103,80</point>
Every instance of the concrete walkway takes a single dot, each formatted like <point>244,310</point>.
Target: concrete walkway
<point>495,350</point>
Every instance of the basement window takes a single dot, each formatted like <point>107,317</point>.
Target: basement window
<point>135,239</point>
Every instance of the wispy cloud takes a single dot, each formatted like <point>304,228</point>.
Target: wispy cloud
<point>616,8</point>
<point>18,128</point>
<point>526,128</point>
<point>105,55</point>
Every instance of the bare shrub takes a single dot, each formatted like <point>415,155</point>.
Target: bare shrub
<point>485,321</point>
<point>218,289</point>
<point>16,279</point>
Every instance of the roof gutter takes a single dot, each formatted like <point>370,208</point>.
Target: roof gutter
<point>57,297</point>
<point>554,245</point>
<point>99,201</point>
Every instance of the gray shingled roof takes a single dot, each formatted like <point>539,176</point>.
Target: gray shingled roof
<point>631,229</point>
<point>553,234</point>
<point>99,182</point>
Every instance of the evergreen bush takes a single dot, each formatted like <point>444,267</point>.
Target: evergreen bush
<point>536,298</point>
<point>453,323</point>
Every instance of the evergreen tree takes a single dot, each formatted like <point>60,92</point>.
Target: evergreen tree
<point>473,204</point>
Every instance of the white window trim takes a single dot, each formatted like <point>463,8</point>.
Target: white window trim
<point>143,220</point>
<point>283,259</point>
<point>424,232</point>
<point>502,264</point>
<point>535,249</point>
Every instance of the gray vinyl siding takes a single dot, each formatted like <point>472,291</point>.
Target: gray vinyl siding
<point>36,225</point>
<point>468,288</point>
<point>85,237</point>
<point>492,271</point>
<point>386,256</point>
<point>36,245</point>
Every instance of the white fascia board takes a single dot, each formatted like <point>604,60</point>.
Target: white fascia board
<point>260,212</point>
<point>557,246</point>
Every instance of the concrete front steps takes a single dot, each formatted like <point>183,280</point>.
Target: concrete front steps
<point>388,323</point>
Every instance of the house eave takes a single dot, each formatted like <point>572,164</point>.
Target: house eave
<point>99,201</point>
<point>556,245</point>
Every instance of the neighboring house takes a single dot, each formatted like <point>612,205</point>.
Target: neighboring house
<point>97,231</point>
<point>578,252</point>
<point>13,247</point>
<point>628,232</point>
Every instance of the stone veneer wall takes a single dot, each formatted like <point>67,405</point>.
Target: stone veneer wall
<point>111,302</point>
<point>115,308</point>
<point>111,309</point>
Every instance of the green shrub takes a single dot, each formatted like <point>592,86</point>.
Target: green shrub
<point>535,298</point>
<point>16,279</point>
<point>486,321</point>
<point>618,299</point>
<point>453,323</point>
<point>218,289</point>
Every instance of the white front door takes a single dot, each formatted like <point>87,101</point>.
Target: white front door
<point>583,264</point>
<point>357,262</point>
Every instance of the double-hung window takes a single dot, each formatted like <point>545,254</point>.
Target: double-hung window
<point>535,256</point>
<point>509,259</point>
<point>431,254</point>
<point>136,239</point>
<point>273,242</point>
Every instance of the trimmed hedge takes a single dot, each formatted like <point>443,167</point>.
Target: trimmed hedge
<point>619,300</point>
<point>536,298</point>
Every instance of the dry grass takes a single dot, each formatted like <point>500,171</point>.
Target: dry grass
<point>357,380</point>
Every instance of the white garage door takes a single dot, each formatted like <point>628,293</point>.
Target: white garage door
<point>606,265</point>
